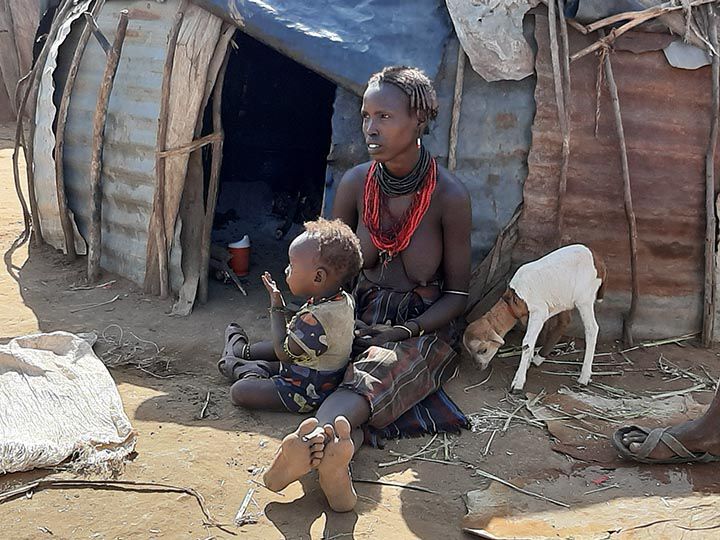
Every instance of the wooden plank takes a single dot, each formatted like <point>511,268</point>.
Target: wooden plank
<point>98,141</point>
<point>65,221</point>
<point>709,299</point>
<point>157,225</point>
<point>214,183</point>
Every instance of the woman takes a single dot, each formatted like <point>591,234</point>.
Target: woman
<point>413,219</point>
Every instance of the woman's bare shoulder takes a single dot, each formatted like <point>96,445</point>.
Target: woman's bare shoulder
<point>357,174</point>
<point>453,191</point>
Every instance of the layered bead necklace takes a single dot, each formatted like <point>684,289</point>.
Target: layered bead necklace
<point>379,185</point>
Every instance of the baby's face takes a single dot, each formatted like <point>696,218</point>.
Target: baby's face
<point>301,272</point>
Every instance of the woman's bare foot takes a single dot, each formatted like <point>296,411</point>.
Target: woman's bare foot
<point>696,435</point>
<point>334,469</point>
<point>293,458</point>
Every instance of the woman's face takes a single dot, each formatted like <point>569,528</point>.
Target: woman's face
<point>391,129</point>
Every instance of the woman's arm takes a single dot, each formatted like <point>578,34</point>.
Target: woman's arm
<point>345,205</point>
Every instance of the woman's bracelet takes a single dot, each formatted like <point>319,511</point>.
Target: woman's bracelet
<point>420,330</point>
<point>410,332</point>
<point>277,309</point>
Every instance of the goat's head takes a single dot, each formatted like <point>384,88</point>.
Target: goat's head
<point>482,342</point>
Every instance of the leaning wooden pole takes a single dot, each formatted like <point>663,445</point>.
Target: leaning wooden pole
<point>710,219</point>
<point>33,80</point>
<point>158,222</point>
<point>457,107</point>
<point>215,165</point>
<point>565,126</point>
<point>65,221</point>
<point>562,116</point>
<point>629,321</point>
<point>98,140</point>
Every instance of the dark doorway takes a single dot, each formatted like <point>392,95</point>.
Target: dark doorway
<point>277,119</point>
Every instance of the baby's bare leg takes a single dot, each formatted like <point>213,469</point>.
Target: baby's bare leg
<point>256,393</point>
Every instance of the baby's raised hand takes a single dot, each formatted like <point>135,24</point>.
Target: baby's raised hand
<point>271,287</point>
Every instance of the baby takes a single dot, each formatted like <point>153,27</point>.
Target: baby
<point>307,356</point>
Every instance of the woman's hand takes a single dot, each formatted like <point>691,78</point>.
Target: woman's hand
<point>366,336</point>
<point>276,298</point>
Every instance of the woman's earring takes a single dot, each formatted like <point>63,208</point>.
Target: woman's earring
<point>419,142</point>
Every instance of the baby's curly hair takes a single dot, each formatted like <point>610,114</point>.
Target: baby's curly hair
<point>339,246</point>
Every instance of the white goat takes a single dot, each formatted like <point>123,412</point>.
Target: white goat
<point>568,278</point>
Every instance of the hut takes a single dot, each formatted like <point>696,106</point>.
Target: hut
<point>225,112</point>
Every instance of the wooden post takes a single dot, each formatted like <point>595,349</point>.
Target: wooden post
<point>710,220</point>
<point>33,79</point>
<point>9,58</point>
<point>629,321</point>
<point>565,124</point>
<point>215,166</point>
<point>157,225</point>
<point>98,140</point>
<point>560,101</point>
<point>65,221</point>
<point>457,106</point>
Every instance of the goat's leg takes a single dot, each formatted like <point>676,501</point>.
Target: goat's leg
<point>587,314</point>
<point>535,324</point>
<point>555,329</point>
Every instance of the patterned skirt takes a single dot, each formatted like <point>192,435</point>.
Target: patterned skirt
<point>397,377</point>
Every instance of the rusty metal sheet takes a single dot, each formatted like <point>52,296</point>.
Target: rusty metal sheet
<point>666,115</point>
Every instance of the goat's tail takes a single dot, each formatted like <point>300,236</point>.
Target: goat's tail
<point>601,270</point>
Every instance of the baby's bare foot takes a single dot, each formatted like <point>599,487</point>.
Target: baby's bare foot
<point>293,458</point>
<point>334,469</point>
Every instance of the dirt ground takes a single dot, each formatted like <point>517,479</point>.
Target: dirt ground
<point>219,455</point>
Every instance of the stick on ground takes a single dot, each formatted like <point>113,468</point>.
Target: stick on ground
<point>119,485</point>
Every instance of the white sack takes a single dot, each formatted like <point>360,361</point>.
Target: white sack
<point>58,400</point>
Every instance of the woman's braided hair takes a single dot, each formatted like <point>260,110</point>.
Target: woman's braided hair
<point>414,83</point>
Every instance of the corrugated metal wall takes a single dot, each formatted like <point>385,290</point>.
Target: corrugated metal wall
<point>666,116</point>
<point>128,179</point>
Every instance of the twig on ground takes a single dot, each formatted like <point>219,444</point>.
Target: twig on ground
<point>490,440</point>
<point>611,486</point>
<point>576,374</point>
<point>240,516</point>
<point>467,389</point>
<point>205,406</point>
<point>394,484</point>
<point>697,388</point>
<point>120,485</point>
<point>406,458</point>
<point>446,447</point>
<point>512,415</point>
<point>92,306</point>
<point>90,287</point>
<point>494,478</point>
<point>154,374</point>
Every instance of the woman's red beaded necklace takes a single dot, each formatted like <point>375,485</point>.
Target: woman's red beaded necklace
<point>395,238</point>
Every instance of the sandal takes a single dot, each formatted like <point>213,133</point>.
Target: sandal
<point>655,437</point>
<point>233,335</point>
<point>227,366</point>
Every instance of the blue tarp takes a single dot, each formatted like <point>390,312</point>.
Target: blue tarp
<point>345,40</point>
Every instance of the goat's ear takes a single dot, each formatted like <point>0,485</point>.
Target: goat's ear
<point>497,338</point>
<point>508,295</point>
